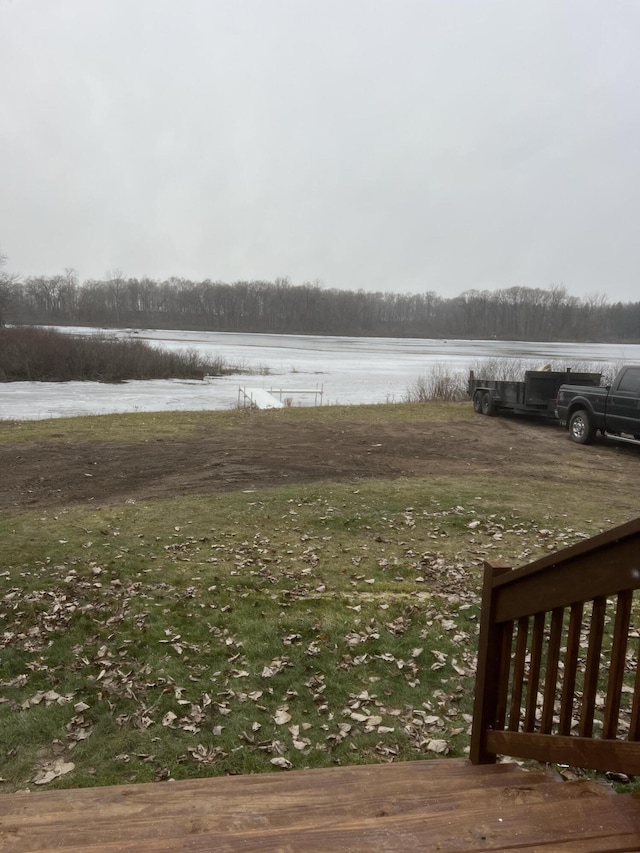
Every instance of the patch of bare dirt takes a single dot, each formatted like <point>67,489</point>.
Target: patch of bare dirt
<point>265,452</point>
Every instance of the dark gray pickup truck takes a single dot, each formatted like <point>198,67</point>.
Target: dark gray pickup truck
<point>614,409</point>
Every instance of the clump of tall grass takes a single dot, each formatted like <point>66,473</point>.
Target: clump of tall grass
<point>440,383</point>
<point>30,353</point>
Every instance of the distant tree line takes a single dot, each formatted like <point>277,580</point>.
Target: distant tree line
<point>514,313</point>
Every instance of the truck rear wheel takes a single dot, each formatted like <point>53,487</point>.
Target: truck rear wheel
<point>581,430</point>
<point>477,402</point>
<point>487,404</point>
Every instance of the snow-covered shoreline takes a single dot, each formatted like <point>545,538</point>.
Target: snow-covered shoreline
<point>350,371</point>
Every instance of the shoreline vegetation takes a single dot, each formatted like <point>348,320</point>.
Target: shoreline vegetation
<point>35,354</point>
<point>41,354</point>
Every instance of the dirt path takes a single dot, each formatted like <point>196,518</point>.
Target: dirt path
<point>263,452</point>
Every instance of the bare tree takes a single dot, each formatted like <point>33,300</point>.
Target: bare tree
<point>116,285</point>
<point>7,291</point>
<point>517,312</point>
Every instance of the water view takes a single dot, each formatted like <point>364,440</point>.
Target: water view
<point>347,370</point>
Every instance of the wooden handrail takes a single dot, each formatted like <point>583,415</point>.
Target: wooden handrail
<point>557,678</point>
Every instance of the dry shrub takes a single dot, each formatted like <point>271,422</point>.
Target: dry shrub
<point>438,384</point>
<point>29,353</point>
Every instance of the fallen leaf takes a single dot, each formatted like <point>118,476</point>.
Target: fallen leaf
<point>282,716</point>
<point>284,763</point>
<point>53,770</point>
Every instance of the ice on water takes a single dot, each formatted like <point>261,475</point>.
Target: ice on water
<point>349,370</point>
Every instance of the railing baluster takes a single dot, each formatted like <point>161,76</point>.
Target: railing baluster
<point>570,669</point>
<point>534,672</point>
<point>551,675</point>
<point>505,669</point>
<point>518,674</point>
<point>617,666</point>
<point>593,667</point>
<point>634,730</point>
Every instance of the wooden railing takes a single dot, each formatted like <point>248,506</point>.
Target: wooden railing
<point>558,676</point>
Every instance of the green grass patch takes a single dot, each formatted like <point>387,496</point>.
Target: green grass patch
<point>137,427</point>
<point>302,626</point>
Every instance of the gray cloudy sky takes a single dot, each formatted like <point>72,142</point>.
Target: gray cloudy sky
<point>409,145</point>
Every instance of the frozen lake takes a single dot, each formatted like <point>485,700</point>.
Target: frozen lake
<point>349,371</point>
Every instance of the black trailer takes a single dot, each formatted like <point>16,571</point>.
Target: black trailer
<point>535,396</point>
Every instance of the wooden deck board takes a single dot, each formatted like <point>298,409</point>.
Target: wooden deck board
<point>445,805</point>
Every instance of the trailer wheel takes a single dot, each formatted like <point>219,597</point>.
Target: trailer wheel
<point>581,430</point>
<point>487,404</point>
<point>477,402</point>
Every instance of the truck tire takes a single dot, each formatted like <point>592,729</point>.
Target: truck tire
<point>477,402</point>
<point>581,430</point>
<point>487,404</point>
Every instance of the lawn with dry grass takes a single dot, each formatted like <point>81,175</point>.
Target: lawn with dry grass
<point>305,625</point>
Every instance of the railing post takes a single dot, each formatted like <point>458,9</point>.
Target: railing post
<point>487,689</point>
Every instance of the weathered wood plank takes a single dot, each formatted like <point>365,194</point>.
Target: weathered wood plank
<point>547,824</point>
<point>622,843</point>
<point>152,813</point>
<point>594,574</point>
<point>597,754</point>
<point>397,778</point>
<point>102,814</point>
<point>168,810</point>
<point>498,810</point>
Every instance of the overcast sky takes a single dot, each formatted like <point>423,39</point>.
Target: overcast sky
<point>395,145</point>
